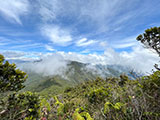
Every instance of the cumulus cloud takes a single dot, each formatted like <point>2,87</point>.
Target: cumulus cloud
<point>14,9</point>
<point>57,35</point>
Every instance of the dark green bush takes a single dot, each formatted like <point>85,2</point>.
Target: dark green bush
<point>22,106</point>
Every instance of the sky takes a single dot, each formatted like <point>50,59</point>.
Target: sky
<point>94,31</point>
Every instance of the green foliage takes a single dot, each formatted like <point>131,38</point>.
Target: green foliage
<point>152,81</point>
<point>112,98</point>
<point>77,116</point>
<point>98,95</point>
<point>151,38</point>
<point>118,105</point>
<point>86,115</point>
<point>1,59</point>
<point>45,103</point>
<point>68,89</point>
<point>107,107</point>
<point>123,80</point>
<point>68,106</point>
<point>109,99</point>
<point>81,116</point>
<point>11,79</point>
<point>117,109</point>
<point>60,109</point>
<point>22,106</point>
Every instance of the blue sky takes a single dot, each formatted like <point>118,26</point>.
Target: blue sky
<point>74,26</point>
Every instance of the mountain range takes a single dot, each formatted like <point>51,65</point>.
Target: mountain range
<point>72,74</point>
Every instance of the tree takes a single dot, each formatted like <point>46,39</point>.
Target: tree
<point>24,105</point>
<point>151,39</point>
<point>11,79</point>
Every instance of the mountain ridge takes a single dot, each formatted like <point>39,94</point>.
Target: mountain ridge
<point>74,73</point>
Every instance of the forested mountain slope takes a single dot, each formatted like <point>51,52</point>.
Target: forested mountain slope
<point>73,74</point>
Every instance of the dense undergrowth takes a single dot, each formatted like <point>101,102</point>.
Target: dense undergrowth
<point>100,99</point>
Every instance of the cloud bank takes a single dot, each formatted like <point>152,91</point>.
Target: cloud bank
<point>139,59</point>
<point>50,65</point>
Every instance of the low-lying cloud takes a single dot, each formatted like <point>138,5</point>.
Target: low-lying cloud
<point>139,59</point>
<point>50,65</point>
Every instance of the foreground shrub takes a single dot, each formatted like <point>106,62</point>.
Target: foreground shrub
<point>21,106</point>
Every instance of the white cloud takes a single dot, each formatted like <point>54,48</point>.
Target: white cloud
<point>100,14</point>
<point>49,48</point>
<point>97,10</point>
<point>82,40</point>
<point>125,43</point>
<point>14,9</point>
<point>103,19</point>
<point>19,55</point>
<point>85,42</point>
<point>140,59</point>
<point>13,54</point>
<point>50,65</point>
<point>18,44</point>
<point>57,35</point>
<point>27,46</point>
<point>85,51</point>
<point>48,9</point>
<point>103,44</point>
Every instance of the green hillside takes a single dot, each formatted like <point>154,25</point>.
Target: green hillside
<point>114,98</point>
<point>74,74</point>
<point>111,98</point>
